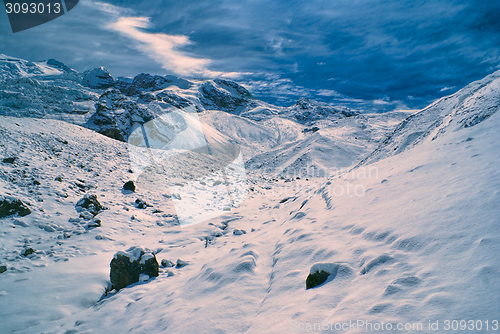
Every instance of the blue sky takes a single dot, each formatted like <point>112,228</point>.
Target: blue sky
<point>374,55</point>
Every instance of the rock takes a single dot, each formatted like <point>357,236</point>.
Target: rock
<point>321,272</point>
<point>27,251</point>
<point>127,267</point>
<point>10,160</point>
<point>181,263</point>
<point>3,269</point>
<point>316,278</point>
<point>10,206</point>
<point>140,204</point>
<point>167,263</point>
<point>90,203</point>
<point>93,224</point>
<point>86,215</point>
<point>129,186</point>
<point>239,232</point>
<point>58,178</point>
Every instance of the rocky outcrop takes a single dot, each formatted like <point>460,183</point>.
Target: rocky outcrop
<point>307,111</point>
<point>127,267</point>
<point>98,78</point>
<point>226,96</point>
<point>116,116</point>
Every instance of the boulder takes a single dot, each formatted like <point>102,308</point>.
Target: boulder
<point>127,267</point>
<point>3,269</point>
<point>322,272</point>
<point>89,203</point>
<point>317,278</point>
<point>129,186</point>
<point>10,206</point>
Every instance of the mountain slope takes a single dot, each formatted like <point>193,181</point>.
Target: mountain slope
<point>468,107</point>
<point>411,238</point>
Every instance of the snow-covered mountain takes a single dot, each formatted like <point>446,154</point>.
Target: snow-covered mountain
<point>408,237</point>
<point>304,139</point>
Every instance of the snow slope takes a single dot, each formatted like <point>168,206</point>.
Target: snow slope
<point>467,107</point>
<point>411,237</point>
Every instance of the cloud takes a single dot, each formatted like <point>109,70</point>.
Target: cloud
<point>166,49</point>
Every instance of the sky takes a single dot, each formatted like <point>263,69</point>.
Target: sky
<point>370,55</point>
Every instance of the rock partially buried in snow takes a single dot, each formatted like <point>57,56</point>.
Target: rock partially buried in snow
<point>27,251</point>
<point>239,232</point>
<point>127,267</point>
<point>317,278</point>
<point>140,204</point>
<point>10,206</point>
<point>96,222</point>
<point>321,272</point>
<point>3,269</point>
<point>181,263</point>
<point>90,203</point>
<point>167,263</point>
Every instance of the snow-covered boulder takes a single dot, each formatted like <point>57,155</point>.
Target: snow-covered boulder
<point>128,266</point>
<point>11,206</point>
<point>89,203</point>
<point>98,78</point>
<point>321,272</point>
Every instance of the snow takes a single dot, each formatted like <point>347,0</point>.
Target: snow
<point>413,237</point>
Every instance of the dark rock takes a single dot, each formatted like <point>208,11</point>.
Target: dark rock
<point>9,160</point>
<point>126,267</point>
<point>90,203</point>
<point>58,178</point>
<point>317,278</point>
<point>36,183</point>
<point>10,206</point>
<point>140,204</point>
<point>3,269</point>
<point>27,251</point>
<point>129,186</point>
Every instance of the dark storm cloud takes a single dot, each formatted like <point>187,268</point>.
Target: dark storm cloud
<point>389,54</point>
